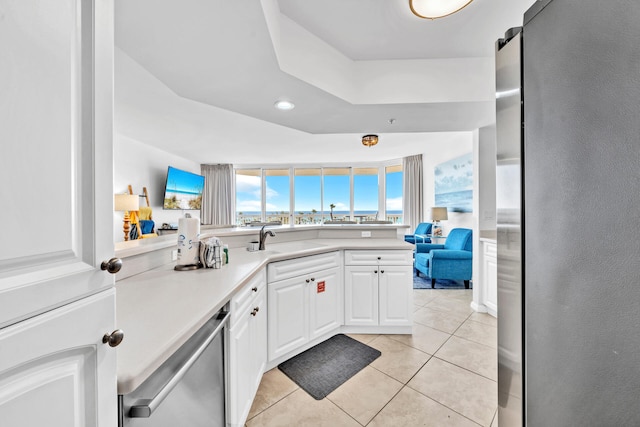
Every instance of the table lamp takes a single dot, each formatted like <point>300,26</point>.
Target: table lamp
<point>438,214</point>
<point>126,203</point>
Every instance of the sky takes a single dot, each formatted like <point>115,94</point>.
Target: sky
<point>308,189</point>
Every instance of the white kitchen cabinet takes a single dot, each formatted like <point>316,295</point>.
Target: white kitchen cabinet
<point>306,306</point>
<point>248,347</point>
<point>325,295</point>
<point>56,131</point>
<point>378,288</point>
<point>55,369</point>
<point>395,295</point>
<point>360,295</point>
<point>56,81</point>
<point>288,320</point>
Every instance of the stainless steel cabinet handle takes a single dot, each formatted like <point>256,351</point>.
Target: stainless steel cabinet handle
<point>112,266</point>
<point>114,338</point>
<point>146,407</point>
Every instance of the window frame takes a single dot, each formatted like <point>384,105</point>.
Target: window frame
<point>382,186</point>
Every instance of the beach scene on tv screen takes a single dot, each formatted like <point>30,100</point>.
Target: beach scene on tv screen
<point>184,190</point>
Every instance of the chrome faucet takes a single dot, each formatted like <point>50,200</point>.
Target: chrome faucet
<point>263,236</point>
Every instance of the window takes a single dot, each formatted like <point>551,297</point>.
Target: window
<point>248,195</point>
<point>393,193</point>
<point>365,194</point>
<point>277,195</point>
<point>307,196</point>
<point>319,194</point>
<point>336,192</point>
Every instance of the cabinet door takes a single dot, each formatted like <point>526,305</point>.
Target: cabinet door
<point>56,164</point>
<point>396,295</point>
<point>288,325</point>
<point>259,341</point>
<point>247,356</point>
<point>240,369</point>
<point>361,295</point>
<point>51,366</point>
<point>326,310</point>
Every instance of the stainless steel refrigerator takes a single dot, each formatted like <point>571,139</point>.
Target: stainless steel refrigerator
<point>568,213</point>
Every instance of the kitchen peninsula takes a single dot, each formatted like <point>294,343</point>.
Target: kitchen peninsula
<point>358,279</point>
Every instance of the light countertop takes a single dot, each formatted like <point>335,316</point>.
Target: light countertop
<point>161,308</point>
<point>243,234</point>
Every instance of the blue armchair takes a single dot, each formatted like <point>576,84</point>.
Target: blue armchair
<point>421,232</point>
<point>453,260</point>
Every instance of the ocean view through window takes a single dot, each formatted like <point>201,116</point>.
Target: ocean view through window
<point>318,195</point>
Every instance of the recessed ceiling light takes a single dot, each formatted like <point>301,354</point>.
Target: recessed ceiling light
<point>284,105</point>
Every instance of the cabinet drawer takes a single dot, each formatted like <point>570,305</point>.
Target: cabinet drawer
<point>281,270</point>
<point>242,300</point>
<point>373,257</point>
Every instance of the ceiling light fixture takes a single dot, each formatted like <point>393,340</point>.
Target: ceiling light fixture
<point>433,9</point>
<point>284,105</point>
<point>369,140</point>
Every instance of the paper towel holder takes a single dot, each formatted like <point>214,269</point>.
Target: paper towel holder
<point>188,267</point>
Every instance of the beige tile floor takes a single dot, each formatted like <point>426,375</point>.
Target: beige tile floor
<point>442,375</point>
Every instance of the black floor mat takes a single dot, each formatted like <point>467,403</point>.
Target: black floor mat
<point>324,367</point>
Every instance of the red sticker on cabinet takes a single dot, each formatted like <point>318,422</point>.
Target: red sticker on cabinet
<point>320,287</point>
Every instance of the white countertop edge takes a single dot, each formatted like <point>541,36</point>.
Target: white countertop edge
<point>136,247</point>
<point>136,364</point>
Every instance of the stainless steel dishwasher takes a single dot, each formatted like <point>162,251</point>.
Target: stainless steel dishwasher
<point>189,389</point>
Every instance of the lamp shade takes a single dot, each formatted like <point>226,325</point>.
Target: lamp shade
<point>432,9</point>
<point>126,202</point>
<point>439,214</point>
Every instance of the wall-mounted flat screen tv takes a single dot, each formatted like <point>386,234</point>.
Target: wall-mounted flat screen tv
<point>183,190</point>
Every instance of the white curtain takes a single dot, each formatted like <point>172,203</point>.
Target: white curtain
<point>412,203</point>
<point>219,195</point>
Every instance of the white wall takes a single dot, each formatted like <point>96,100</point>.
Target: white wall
<point>141,165</point>
<point>462,143</point>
